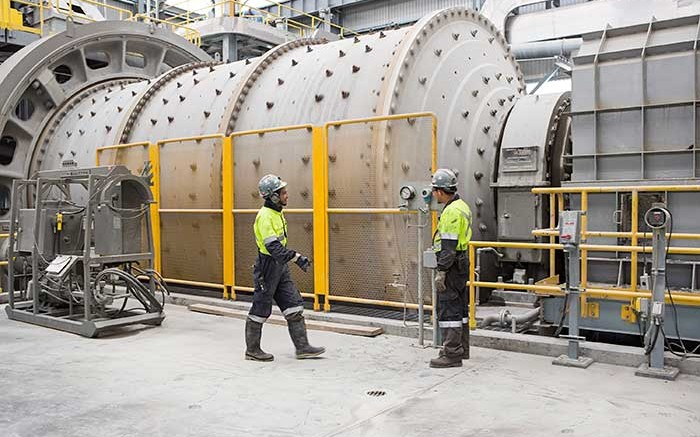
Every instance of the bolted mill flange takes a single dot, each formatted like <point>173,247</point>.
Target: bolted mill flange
<point>45,77</point>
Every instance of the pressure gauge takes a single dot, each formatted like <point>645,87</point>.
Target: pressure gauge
<point>407,192</point>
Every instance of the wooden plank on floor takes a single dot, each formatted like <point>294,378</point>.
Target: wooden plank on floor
<point>340,328</point>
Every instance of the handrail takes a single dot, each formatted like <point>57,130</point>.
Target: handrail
<point>611,234</point>
<point>55,6</point>
<point>318,143</point>
<point>616,189</point>
<point>299,12</point>
<point>69,12</point>
<point>602,293</point>
<point>6,7</point>
<point>190,34</point>
<point>556,196</point>
<point>228,8</point>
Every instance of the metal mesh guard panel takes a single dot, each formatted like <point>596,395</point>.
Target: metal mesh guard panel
<point>370,253</point>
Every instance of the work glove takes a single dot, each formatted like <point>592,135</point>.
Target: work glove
<point>440,278</point>
<point>302,261</point>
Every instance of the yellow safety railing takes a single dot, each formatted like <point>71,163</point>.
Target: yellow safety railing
<point>556,201</point>
<point>556,196</point>
<point>233,8</point>
<point>319,210</point>
<point>328,211</point>
<point>12,19</point>
<point>123,14</point>
<point>601,292</point>
<point>321,213</point>
<point>314,20</point>
<point>183,29</point>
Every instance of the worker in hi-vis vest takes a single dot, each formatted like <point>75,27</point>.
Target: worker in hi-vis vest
<point>450,244</point>
<point>272,278</point>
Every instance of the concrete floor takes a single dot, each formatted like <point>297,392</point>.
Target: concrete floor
<point>188,378</point>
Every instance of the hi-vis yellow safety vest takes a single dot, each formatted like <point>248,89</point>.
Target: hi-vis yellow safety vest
<point>455,224</point>
<point>270,225</point>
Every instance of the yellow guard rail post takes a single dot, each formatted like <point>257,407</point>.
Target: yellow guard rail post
<point>227,190</point>
<point>319,164</point>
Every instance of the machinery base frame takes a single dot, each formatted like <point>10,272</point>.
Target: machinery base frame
<point>566,361</point>
<point>667,373</point>
<point>89,329</point>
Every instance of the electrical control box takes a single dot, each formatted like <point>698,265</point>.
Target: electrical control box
<point>429,259</point>
<point>570,227</point>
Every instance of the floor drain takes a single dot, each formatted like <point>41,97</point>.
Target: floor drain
<point>376,393</point>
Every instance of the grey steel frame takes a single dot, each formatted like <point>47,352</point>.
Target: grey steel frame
<point>88,326</point>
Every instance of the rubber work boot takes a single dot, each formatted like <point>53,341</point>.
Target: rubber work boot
<point>451,354</point>
<point>297,331</point>
<point>465,341</point>
<point>253,333</point>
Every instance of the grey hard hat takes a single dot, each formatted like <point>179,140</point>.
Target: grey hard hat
<point>269,184</point>
<point>444,179</point>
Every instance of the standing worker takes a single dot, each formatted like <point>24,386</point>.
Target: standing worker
<point>272,278</point>
<point>450,243</point>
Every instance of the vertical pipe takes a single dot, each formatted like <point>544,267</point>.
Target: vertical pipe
<point>642,105</point>
<point>656,358</point>
<point>419,246</point>
<point>433,228</point>
<point>596,100</point>
<point>434,164</point>
<point>635,238</point>
<point>574,282</point>
<point>436,328</point>
<point>584,252</point>
<point>695,98</point>
<point>227,217</point>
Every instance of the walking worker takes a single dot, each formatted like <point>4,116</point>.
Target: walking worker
<point>272,278</point>
<point>450,243</point>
